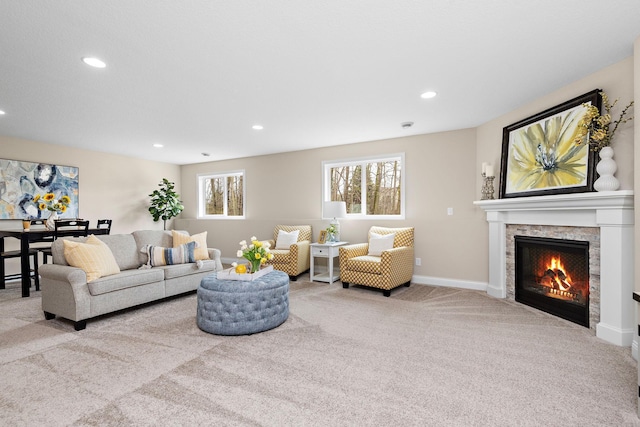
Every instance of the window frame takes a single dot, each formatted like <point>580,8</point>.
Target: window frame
<point>224,175</point>
<point>362,161</point>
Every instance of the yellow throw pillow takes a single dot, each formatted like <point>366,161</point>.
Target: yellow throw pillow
<point>201,251</point>
<point>93,256</point>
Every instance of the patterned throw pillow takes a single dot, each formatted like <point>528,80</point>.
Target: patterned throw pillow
<point>169,256</point>
<point>201,251</point>
<point>93,256</point>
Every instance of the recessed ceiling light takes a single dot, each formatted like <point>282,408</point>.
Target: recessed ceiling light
<point>257,127</point>
<point>2,113</point>
<point>158,145</point>
<point>94,62</point>
<point>429,94</point>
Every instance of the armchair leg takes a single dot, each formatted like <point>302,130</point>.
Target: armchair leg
<point>49,316</point>
<point>386,293</point>
<point>408,283</point>
<point>293,278</point>
<point>345,285</point>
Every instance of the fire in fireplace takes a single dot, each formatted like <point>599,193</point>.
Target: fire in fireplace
<point>553,275</point>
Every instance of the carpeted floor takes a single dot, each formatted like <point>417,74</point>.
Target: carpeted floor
<point>426,356</point>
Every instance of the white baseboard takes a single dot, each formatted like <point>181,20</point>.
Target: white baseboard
<point>449,283</point>
<point>423,280</point>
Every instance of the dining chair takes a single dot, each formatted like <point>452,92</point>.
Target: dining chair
<point>104,225</point>
<point>66,228</point>
<point>4,255</point>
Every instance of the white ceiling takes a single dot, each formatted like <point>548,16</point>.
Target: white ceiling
<point>196,75</point>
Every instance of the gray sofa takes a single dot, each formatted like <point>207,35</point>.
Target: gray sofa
<point>66,293</point>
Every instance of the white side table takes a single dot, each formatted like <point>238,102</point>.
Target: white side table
<point>327,250</point>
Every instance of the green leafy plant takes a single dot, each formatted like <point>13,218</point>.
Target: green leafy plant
<point>165,202</point>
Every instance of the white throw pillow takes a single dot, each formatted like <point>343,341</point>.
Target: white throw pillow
<point>286,239</point>
<point>380,242</point>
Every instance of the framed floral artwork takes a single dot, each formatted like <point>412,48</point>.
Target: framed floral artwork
<point>21,181</point>
<point>540,155</point>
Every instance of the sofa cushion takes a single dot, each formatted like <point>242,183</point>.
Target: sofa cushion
<point>159,255</point>
<point>94,257</point>
<point>124,249</point>
<point>179,270</point>
<point>126,279</point>
<point>180,238</point>
<point>151,237</point>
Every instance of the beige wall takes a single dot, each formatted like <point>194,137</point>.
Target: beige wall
<point>616,80</point>
<point>442,171</point>
<point>111,186</point>
<point>286,189</point>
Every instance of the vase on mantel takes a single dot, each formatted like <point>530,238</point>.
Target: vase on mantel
<point>50,223</point>
<point>606,168</point>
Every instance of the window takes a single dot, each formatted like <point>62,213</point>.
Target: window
<point>221,195</point>
<point>369,186</point>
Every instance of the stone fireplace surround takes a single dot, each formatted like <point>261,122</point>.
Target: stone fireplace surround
<point>611,212</point>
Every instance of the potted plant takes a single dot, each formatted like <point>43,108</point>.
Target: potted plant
<point>594,128</point>
<point>165,202</point>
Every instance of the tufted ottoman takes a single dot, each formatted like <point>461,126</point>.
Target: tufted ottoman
<point>233,307</point>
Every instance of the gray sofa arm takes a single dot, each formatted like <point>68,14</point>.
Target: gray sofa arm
<point>215,254</point>
<point>63,273</point>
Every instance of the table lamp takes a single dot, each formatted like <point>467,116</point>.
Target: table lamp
<point>335,210</point>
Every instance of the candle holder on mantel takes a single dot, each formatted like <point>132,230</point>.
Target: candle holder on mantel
<point>487,187</point>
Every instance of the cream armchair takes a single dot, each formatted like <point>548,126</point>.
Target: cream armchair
<point>384,262</point>
<point>291,257</point>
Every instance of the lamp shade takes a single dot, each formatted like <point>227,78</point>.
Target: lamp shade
<point>335,210</point>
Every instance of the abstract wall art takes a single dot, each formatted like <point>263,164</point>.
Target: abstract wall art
<point>20,181</point>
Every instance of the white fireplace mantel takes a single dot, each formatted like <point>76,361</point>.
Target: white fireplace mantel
<point>611,211</point>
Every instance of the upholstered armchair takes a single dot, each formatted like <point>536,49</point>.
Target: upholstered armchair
<point>385,262</point>
<point>290,252</point>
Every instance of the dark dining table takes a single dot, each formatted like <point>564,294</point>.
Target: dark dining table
<point>27,237</point>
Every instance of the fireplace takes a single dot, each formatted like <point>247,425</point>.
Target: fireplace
<point>553,275</point>
<point>604,219</point>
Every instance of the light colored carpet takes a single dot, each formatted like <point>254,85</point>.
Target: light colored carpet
<point>425,356</point>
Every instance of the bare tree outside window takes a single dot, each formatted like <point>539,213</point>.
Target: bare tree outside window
<point>235,201</point>
<point>221,195</point>
<point>214,195</point>
<point>381,193</point>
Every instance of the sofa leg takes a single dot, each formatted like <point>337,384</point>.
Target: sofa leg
<point>49,316</point>
<point>293,278</point>
<point>386,293</point>
<point>408,283</point>
<point>78,326</point>
<point>345,285</point>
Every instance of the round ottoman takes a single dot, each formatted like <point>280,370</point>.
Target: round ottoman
<point>234,307</point>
